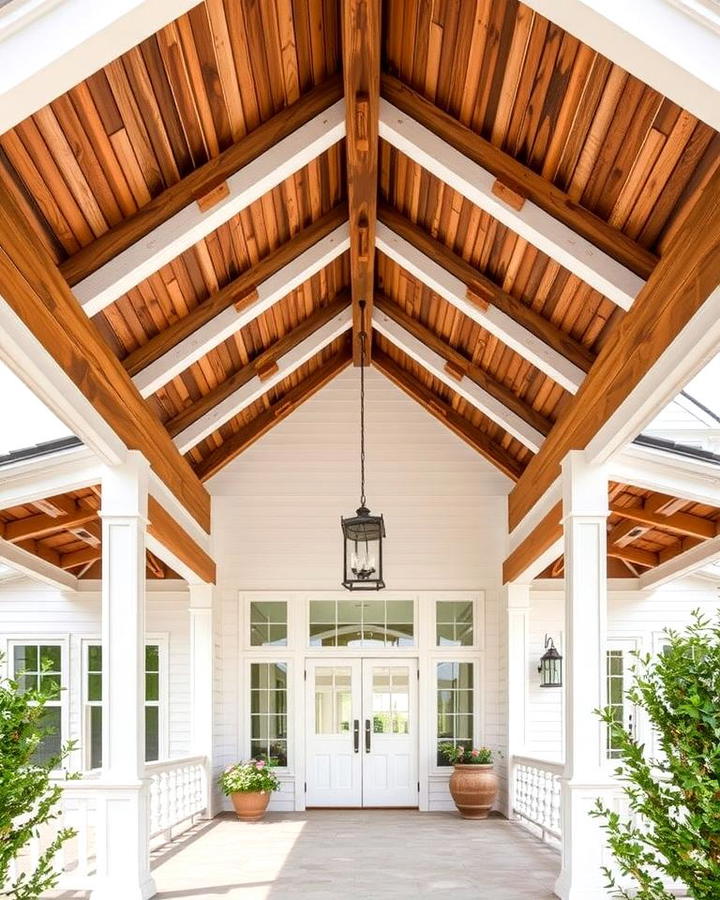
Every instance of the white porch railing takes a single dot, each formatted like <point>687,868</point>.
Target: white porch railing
<point>179,791</point>
<point>536,794</point>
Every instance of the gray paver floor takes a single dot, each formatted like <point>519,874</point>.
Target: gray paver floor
<point>349,854</point>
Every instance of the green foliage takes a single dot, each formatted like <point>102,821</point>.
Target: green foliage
<point>28,799</point>
<point>480,756</point>
<point>247,777</point>
<point>675,799</point>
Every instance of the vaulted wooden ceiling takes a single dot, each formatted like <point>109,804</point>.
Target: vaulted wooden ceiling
<point>196,194</point>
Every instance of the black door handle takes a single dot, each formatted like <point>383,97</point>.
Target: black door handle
<point>356,735</point>
<point>367,735</point>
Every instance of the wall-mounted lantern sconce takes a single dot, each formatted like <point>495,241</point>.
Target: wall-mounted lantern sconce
<point>550,667</point>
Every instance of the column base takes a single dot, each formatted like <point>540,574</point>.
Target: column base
<point>116,891</point>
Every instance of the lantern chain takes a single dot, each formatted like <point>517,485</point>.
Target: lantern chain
<point>363,338</point>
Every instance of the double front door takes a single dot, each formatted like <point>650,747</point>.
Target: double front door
<point>361,722</point>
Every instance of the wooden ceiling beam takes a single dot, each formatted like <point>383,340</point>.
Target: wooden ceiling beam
<point>514,323</point>
<point>361,77</point>
<point>174,220</point>
<point>166,535</point>
<point>35,292</point>
<point>634,555</point>
<point>685,278</point>
<point>529,558</point>
<point>238,304</point>
<point>462,366</point>
<point>600,254</point>
<point>87,555</point>
<point>477,396</point>
<point>625,533</point>
<point>43,524</point>
<point>245,437</point>
<point>442,411</point>
<point>680,523</point>
<point>227,401</point>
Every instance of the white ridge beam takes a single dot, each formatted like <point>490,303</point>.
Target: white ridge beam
<point>46,476</point>
<point>229,321</point>
<point>475,395</point>
<point>34,567</point>
<point>494,320</point>
<point>255,388</point>
<point>47,46</point>
<point>190,225</point>
<point>532,223</point>
<point>683,564</point>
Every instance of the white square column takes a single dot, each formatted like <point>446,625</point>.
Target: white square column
<point>123,858</point>
<point>517,612</point>
<point>585,512</point>
<point>202,605</point>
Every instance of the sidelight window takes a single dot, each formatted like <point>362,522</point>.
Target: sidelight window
<point>455,706</point>
<point>269,711</point>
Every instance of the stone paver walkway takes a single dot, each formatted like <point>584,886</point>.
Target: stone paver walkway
<point>349,854</point>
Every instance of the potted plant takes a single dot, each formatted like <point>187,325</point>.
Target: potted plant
<point>249,785</point>
<point>473,784</point>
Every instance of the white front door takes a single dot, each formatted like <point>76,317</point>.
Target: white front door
<point>362,742</point>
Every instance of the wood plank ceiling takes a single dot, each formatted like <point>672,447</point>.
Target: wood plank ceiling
<point>590,139</point>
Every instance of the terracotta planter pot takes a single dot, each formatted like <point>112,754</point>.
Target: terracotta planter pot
<point>250,806</point>
<point>474,789</point>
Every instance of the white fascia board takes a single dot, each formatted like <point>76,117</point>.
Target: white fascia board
<point>681,565</point>
<point>504,327</point>
<point>255,388</point>
<point>688,353</point>
<point>29,360</point>
<point>475,395</point>
<point>533,224</point>
<point>229,321</point>
<point>190,225</point>
<point>49,46</point>
<point>672,49</point>
<point>656,470</point>
<point>46,476</point>
<point>36,568</point>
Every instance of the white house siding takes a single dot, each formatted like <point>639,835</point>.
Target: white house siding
<point>29,610</point>
<point>635,617</point>
<point>276,524</point>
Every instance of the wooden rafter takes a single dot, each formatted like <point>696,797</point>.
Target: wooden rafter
<point>36,292</point>
<point>464,367</point>
<point>361,77</point>
<point>437,366</point>
<point>178,542</point>
<point>677,522</point>
<point>625,533</point>
<point>245,437</point>
<point>442,411</point>
<point>685,277</point>
<point>639,557</point>
<point>541,539</point>
<point>41,525</point>
<point>548,347</point>
<point>173,221</point>
<point>527,183</point>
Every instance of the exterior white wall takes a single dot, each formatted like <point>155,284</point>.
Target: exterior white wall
<point>276,523</point>
<point>29,610</point>
<point>635,617</point>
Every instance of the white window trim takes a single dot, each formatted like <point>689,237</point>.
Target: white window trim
<point>478,604</point>
<point>627,645</point>
<point>62,641</point>
<point>162,641</point>
<point>246,623</point>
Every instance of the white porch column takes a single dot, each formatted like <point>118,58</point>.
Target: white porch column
<point>585,511</point>
<point>201,679</point>
<point>517,609</point>
<point>123,860</point>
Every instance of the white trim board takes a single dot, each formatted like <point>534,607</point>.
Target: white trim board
<point>531,223</point>
<point>494,320</point>
<point>190,225</point>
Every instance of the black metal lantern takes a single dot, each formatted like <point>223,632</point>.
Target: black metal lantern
<point>550,667</point>
<point>363,533</point>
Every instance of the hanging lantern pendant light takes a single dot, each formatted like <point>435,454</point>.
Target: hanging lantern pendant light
<point>363,533</point>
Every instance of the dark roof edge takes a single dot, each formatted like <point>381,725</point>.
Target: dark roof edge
<point>700,405</point>
<point>657,443</point>
<point>46,448</point>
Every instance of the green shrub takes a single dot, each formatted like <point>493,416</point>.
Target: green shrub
<point>28,798</point>
<point>675,799</point>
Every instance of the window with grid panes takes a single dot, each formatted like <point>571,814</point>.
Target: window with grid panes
<point>615,675</point>
<point>268,711</point>
<point>39,666</point>
<point>362,623</point>
<point>455,706</point>
<point>454,623</point>
<point>268,623</point>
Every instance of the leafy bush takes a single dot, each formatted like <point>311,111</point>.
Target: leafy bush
<point>28,799</point>
<point>463,756</point>
<point>246,777</point>
<point>675,799</point>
